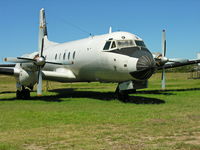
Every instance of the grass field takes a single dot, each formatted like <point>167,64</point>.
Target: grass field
<point>85,116</point>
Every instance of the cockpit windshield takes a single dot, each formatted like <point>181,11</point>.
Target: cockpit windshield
<point>140,43</point>
<point>124,43</point>
<point>107,45</point>
<point>114,44</point>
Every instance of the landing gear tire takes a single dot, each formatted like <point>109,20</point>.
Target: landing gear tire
<point>26,93</point>
<point>23,94</point>
<point>122,95</point>
<point>18,94</point>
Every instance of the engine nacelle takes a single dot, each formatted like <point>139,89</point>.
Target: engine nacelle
<point>27,78</point>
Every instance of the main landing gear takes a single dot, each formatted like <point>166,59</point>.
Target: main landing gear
<point>123,95</point>
<point>23,94</point>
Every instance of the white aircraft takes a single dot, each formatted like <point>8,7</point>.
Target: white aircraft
<point>119,57</point>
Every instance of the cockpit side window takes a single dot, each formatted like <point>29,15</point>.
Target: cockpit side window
<point>107,45</point>
<point>140,43</point>
<point>113,44</point>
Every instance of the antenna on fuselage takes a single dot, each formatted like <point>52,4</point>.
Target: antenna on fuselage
<point>110,29</point>
<point>70,23</point>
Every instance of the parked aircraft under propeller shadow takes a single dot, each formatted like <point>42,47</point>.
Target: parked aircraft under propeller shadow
<point>115,57</point>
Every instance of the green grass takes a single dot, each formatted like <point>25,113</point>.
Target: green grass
<point>86,116</point>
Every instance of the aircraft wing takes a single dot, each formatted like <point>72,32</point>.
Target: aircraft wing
<point>60,74</point>
<point>178,64</point>
<point>7,69</point>
<point>7,65</point>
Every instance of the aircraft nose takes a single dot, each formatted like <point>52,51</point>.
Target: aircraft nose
<point>145,68</point>
<point>145,62</point>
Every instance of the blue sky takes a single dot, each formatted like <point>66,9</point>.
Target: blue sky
<point>75,19</point>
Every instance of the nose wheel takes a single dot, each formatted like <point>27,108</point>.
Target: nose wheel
<point>121,95</point>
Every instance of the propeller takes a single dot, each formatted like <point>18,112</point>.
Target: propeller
<point>163,60</point>
<point>40,61</point>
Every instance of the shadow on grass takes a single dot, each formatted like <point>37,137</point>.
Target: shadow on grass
<point>167,92</point>
<point>145,100</point>
<point>74,93</point>
<point>106,96</point>
<point>66,93</point>
<point>7,92</point>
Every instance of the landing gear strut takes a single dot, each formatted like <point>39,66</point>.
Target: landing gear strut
<point>23,94</point>
<point>122,95</point>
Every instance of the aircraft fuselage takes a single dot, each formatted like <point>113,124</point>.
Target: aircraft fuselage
<point>91,61</point>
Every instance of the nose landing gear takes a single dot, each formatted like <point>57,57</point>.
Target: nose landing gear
<point>125,88</point>
<point>121,95</point>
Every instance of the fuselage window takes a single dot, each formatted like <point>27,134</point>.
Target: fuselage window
<point>113,44</point>
<point>68,55</point>
<point>74,54</point>
<point>107,45</point>
<point>64,56</point>
<point>55,56</point>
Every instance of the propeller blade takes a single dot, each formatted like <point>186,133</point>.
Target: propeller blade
<point>59,63</point>
<point>163,43</point>
<point>18,60</point>
<point>41,60</point>
<point>163,57</point>
<point>163,78</point>
<point>12,59</point>
<point>39,84</point>
<point>42,47</point>
<point>178,60</point>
